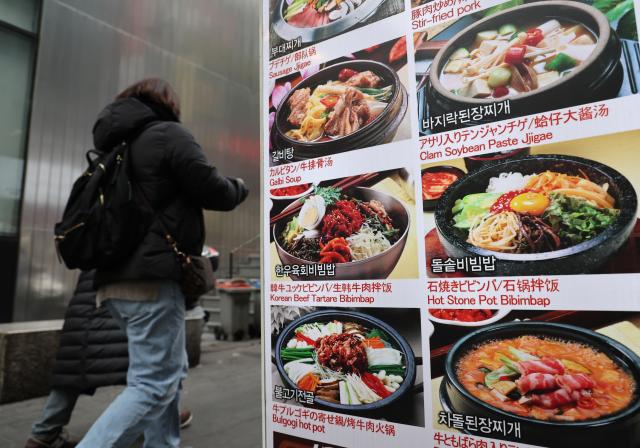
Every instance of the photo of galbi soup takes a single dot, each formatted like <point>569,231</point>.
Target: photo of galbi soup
<point>517,58</point>
<point>546,379</point>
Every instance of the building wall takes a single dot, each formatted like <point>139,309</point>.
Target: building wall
<point>91,49</point>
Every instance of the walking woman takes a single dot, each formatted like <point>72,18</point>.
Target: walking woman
<point>143,293</point>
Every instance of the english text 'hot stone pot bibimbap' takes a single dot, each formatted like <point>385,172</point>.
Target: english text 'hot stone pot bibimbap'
<point>564,385</point>
<point>346,359</point>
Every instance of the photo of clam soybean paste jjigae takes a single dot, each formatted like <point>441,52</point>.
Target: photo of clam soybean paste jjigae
<point>517,58</point>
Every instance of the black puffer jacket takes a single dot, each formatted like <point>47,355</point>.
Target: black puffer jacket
<point>173,173</point>
<point>93,348</point>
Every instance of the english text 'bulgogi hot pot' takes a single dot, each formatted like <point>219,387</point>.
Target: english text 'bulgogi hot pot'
<point>352,362</point>
<point>350,105</point>
<point>313,21</point>
<point>564,385</point>
<point>540,56</point>
<point>361,230</point>
<point>543,214</point>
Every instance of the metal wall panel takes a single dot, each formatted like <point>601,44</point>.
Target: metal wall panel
<point>90,50</point>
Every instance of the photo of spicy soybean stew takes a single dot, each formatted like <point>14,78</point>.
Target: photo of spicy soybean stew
<point>352,102</point>
<point>563,377</point>
<point>528,57</point>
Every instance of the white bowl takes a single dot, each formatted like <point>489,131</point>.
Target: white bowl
<point>495,318</point>
<point>291,198</point>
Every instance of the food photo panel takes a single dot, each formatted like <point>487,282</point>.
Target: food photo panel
<point>522,58</point>
<point>365,362</point>
<point>548,378</point>
<point>296,24</point>
<point>356,101</point>
<point>562,208</point>
<point>360,227</point>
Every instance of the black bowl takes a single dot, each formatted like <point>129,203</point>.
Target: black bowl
<point>622,428</point>
<point>473,163</point>
<point>381,130</point>
<point>379,266</point>
<point>599,77</point>
<point>582,258</point>
<point>398,342</point>
<point>430,204</point>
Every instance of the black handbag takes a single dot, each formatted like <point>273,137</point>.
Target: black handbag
<point>197,272</point>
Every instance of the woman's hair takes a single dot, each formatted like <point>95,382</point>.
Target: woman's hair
<point>155,90</point>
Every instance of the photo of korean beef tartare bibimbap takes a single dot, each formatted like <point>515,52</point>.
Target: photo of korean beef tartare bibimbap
<point>344,362</point>
<point>334,227</point>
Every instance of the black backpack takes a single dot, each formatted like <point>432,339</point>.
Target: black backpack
<point>102,224</point>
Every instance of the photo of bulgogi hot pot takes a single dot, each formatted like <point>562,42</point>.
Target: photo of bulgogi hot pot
<point>346,106</point>
<point>349,361</point>
<point>314,20</point>
<point>539,56</point>
<point>565,385</point>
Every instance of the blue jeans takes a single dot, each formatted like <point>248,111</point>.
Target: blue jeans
<point>55,415</point>
<point>157,365</point>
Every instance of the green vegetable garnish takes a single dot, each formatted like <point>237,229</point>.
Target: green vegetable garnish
<point>522,356</point>
<point>560,63</point>
<point>493,377</point>
<point>377,333</point>
<point>508,28</point>
<point>330,195</point>
<point>471,208</point>
<point>501,7</point>
<point>576,220</point>
<point>499,76</point>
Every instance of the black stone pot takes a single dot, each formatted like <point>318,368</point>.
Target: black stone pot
<point>381,130</point>
<point>620,430</point>
<point>582,258</point>
<point>476,162</point>
<point>397,341</point>
<point>598,78</point>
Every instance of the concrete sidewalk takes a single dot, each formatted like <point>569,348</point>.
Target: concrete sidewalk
<point>223,393</point>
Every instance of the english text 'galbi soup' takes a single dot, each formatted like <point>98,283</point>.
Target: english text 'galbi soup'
<point>517,58</point>
<point>546,379</point>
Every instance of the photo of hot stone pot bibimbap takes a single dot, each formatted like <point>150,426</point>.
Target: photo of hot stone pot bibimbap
<point>534,213</point>
<point>344,362</point>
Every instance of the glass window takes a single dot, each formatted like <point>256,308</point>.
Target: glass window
<point>16,59</point>
<point>20,13</point>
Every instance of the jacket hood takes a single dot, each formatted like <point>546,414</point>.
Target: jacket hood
<point>122,119</point>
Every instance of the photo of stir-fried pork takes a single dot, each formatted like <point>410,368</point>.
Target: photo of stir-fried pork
<point>350,114</point>
<point>298,106</point>
<point>342,353</point>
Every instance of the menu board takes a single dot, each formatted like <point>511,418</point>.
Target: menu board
<point>451,233</point>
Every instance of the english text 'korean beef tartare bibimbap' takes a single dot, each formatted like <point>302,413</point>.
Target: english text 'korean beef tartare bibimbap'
<point>546,379</point>
<point>315,13</point>
<point>338,107</point>
<point>333,227</point>
<point>516,58</point>
<point>343,362</point>
<point>534,213</point>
